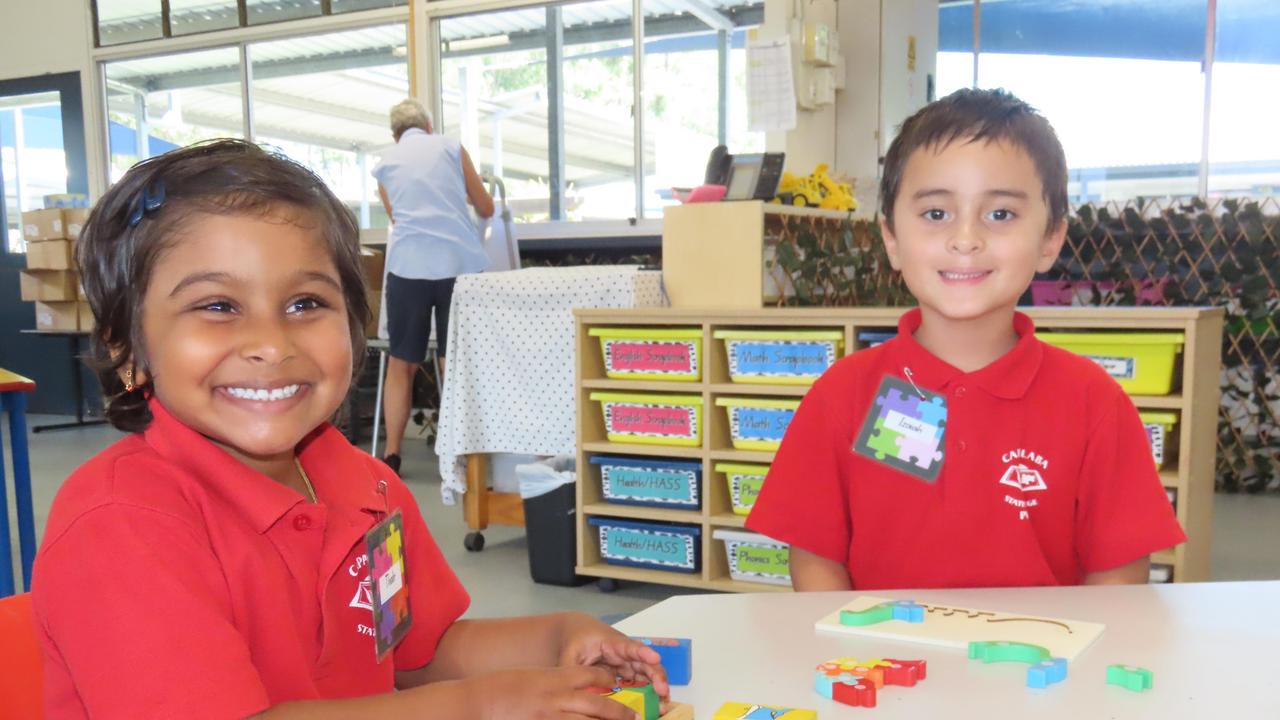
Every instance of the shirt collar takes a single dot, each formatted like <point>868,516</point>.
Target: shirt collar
<point>1008,377</point>
<point>335,470</point>
<point>412,131</point>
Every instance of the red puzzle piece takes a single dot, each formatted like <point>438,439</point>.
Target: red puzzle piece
<point>904,672</point>
<point>859,694</point>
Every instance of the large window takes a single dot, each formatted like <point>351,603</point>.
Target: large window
<point>159,103</point>
<point>543,98</point>
<point>1123,82</point>
<point>32,161</point>
<point>324,100</point>
<point>1244,145</point>
<point>126,21</point>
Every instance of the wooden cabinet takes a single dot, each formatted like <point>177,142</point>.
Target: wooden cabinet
<point>1189,475</point>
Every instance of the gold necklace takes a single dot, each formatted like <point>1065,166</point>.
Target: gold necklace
<point>310,490</point>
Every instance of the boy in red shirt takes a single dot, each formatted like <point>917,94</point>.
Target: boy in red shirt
<point>965,452</point>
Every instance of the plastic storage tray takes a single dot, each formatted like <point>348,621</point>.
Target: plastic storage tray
<point>656,546</point>
<point>872,338</point>
<point>1160,433</point>
<point>780,357</point>
<point>651,482</point>
<point>630,353</point>
<point>745,481</point>
<point>1141,362</point>
<point>755,558</point>
<point>651,419</point>
<point>758,423</point>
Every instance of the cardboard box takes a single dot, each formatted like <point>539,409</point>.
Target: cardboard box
<point>85,315</point>
<point>43,225</point>
<point>50,255</point>
<point>48,285</point>
<point>57,316</point>
<point>73,220</point>
<point>372,263</point>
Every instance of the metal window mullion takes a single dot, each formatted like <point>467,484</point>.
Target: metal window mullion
<point>246,92</point>
<point>93,16</point>
<point>242,10</point>
<point>326,7</point>
<point>977,39</point>
<point>166,26</point>
<point>555,112</point>
<point>1210,49</point>
<point>724,40</point>
<point>637,100</point>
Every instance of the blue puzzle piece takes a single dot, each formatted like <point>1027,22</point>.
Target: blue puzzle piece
<point>933,412</point>
<point>908,611</point>
<point>1046,673</point>
<point>900,401</point>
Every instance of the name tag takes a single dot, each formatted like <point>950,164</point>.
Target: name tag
<point>905,428</point>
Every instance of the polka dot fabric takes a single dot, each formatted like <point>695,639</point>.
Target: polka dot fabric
<point>509,382</point>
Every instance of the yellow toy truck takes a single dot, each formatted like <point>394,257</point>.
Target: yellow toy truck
<point>816,190</point>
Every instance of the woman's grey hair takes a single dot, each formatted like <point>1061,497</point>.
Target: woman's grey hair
<point>407,114</point>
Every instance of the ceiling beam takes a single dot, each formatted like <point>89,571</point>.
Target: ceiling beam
<point>707,14</point>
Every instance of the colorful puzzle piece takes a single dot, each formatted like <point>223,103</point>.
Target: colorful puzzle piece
<point>858,693</point>
<point>904,672</point>
<point>677,657</point>
<point>924,453</point>
<point>747,711</point>
<point>642,699</point>
<point>1002,651</point>
<point>1046,673</point>
<point>1132,678</point>
<point>853,682</point>
<point>934,412</point>
<point>872,615</point>
<point>908,611</point>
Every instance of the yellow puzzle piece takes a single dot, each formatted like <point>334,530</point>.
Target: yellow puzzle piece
<point>747,711</point>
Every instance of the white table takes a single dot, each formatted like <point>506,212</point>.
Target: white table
<point>1211,646</point>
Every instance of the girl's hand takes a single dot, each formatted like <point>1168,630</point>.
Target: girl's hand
<point>566,693</point>
<point>587,641</point>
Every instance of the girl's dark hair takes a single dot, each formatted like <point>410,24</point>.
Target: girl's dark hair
<point>136,220</point>
<point>979,116</point>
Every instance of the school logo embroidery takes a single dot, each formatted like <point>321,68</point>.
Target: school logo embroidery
<point>364,596</point>
<point>1024,473</point>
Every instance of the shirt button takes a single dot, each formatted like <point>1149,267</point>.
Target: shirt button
<point>960,391</point>
<point>962,446</point>
<point>301,522</point>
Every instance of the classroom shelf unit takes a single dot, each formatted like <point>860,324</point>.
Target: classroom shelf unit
<point>1188,477</point>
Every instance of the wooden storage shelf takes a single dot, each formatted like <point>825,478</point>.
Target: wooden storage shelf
<point>672,451</point>
<point>642,512</point>
<point>1190,472</point>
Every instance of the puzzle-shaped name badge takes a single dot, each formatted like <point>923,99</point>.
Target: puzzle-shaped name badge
<point>905,428</point>
<point>388,585</point>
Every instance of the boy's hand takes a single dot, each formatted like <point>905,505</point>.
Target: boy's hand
<point>566,693</point>
<point>587,641</point>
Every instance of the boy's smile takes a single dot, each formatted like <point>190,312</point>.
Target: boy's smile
<point>971,229</point>
<point>246,334</point>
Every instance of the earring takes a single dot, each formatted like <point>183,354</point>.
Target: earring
<point>128,380</point>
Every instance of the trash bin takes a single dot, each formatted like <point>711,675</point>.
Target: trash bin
<point>547,488</point>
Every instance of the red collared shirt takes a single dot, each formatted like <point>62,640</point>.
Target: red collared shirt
<point>176,582</point>
<point>1100,504</point>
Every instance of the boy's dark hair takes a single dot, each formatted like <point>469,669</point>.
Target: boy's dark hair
<point>135,221</point>
<point>973,116</point>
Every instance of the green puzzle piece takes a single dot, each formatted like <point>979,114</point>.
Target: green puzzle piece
<point>872,615</point>
<point>884,442</point>
<point>1003,651</point>
<point>1132,678</point>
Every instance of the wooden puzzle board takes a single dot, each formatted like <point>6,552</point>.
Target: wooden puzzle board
<point>951,626</point>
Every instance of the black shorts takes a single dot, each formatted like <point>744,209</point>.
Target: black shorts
<point>409,307</point>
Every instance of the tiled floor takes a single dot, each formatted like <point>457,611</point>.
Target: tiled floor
<point>1246,542</point>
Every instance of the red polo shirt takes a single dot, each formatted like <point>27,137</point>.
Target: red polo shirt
<point>176,582</point>
<point>1100,504</point>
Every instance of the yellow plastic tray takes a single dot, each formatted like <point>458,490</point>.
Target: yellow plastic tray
<point>743,479</point>
<point>691,338</point>
<point>645,426</point>
<point>1159,426</point>
<point>732,338</point>
<point>769,438</point>
<point>1141,362</point>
